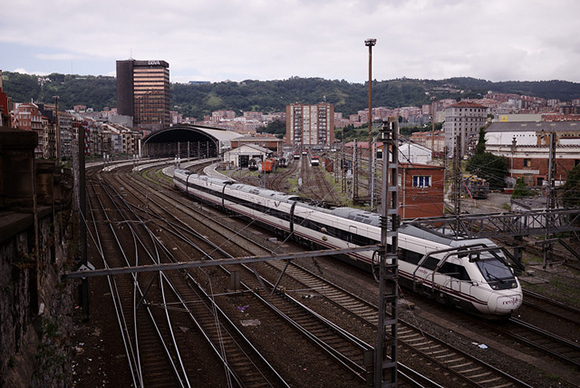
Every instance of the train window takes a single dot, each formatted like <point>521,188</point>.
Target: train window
<point>411,257</point>
<point>431,263</point>
<point>496,273</point>
<point>455,271</point>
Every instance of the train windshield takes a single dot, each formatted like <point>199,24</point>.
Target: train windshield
<point>498,275</point>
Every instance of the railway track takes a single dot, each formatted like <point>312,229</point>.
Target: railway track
<point>346,349</point>
<point>469,369</point>
<point>346,307</point>
<point>543,305</point>
<point>464,368</point>
<point>281,309</point>
<point>142,334</point>
<point>322,333</point>
<point>546,342</point>
<point>315,185</point>
<point>243,364</point>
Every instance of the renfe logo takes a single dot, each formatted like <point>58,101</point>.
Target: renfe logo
<point>514,301</point>
<point>154,63</point>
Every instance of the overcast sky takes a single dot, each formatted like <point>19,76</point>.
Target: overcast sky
<point>216,40</point>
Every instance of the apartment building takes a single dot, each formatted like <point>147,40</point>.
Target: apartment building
<point>27,116</point>
<point>309,125</point>
<point>463,119</point>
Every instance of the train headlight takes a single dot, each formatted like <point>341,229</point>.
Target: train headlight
<point>494,286</point>
<point>513,284</point>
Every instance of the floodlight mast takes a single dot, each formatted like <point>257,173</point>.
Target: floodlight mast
<point>370,43</point>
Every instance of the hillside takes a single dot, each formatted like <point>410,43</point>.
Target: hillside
<point>269,96</point>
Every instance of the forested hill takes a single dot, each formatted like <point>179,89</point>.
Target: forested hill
<point>197,100</point>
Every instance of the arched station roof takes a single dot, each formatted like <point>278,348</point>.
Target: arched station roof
<point>193,133</point>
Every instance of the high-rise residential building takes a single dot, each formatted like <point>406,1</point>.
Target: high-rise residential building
<point>463,119</point>
<point>310,125</point>
<point>143,92</point>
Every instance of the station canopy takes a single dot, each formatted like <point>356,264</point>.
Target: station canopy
<point>197,136</point>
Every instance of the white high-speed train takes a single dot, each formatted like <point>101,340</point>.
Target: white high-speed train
<point>472,274</point>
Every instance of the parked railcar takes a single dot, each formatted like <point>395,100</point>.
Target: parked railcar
<point>475,187</point>
<point>269,165</point>
<point>472,274</point>
<point>254,164</point>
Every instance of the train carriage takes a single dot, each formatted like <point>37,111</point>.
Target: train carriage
<point>471,274</point>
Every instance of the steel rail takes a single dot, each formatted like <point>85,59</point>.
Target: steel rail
<point>140,293</point>
<point>221,353</point>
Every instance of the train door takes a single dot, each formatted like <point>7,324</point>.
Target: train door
<point>352,231</point>
<point>456,280</point>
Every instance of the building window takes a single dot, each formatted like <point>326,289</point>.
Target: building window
<point>421,181</point>
<point>527,162</point>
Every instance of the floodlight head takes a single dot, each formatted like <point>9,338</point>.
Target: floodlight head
<point>370,42</point>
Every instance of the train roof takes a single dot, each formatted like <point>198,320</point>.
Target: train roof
<point>357,215</point>
<point>370,218</point>
<point>408,229</point>
<point>266,193</point>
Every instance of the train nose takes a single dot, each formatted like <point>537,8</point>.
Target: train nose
<point>507,304</point>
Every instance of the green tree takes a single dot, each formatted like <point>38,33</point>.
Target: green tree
<point>480,149</point>
<point>488,166</point>
<point>276,127</point>
<point>521,190</point>
<point>570,191</point>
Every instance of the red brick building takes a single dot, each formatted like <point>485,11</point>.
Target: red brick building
<point>526,147</point>
<point>27,116</point>
<point>421,190</point>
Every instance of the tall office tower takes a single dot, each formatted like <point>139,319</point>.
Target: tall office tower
<point>143,92</point>
<point>310,125</point>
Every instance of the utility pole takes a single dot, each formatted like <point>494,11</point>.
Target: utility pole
<point>343,164</point>
<point>432,126</point>
<point>370,43</point>
<point>550,199</point>
<point>84,290</point>
<point>354,171</point>
<point>551,192</point>
<point>457,181</point>
<point>385,357</point>
<point>56,131</point>
<point>372,180</point>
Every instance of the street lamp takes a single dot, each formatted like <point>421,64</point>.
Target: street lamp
<point>370,43</point>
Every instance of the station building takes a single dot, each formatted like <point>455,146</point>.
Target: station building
<point>272,143</point>
<point>241,156</point>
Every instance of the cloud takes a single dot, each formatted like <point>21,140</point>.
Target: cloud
<point>263,39</point>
